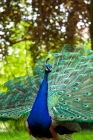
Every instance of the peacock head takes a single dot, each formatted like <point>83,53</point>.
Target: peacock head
<point>48,67</point>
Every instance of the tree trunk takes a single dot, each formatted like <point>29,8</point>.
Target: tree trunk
<point>91,27</point>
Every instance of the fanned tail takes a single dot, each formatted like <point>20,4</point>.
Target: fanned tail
<point>19,98</point>
<point>71,87</point>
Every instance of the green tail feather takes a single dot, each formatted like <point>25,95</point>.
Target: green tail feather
<point>72,84</point>
<point>19,98</point>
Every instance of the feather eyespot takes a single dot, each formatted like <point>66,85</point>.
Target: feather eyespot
<point>74,89</point>
<point>68,95</point>
<point>76,83</point>
<point>87,94</point>
<point>13,99</point>
<point>76,99</point>
<point>71,117</point>
<point>4,100</point>
<point>61,116</point>
<point>85,118</point>
<point>78,116</point>
<point>27,98</point>
<point>66,108</point>
<point>18,115</point>
<point>85,105</point>
<point>64,103</point>
<point>17,103</point>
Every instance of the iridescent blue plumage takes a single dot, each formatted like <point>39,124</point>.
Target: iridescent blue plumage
<point>39,120</point>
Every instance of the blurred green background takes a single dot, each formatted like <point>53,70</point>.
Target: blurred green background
<point>29,29</point>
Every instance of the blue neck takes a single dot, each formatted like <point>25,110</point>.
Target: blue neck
<point>39,113</point>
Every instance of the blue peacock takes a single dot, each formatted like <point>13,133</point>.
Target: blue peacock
<point>58,99</point>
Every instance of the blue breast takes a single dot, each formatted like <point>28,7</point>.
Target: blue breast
<point>39,118</point>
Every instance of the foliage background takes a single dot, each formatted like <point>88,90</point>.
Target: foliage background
<point>32,28</point>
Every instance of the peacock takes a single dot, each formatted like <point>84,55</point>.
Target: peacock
<point>58,99</point>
